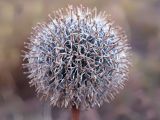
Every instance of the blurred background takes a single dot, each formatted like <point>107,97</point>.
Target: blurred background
<point>140,100</point>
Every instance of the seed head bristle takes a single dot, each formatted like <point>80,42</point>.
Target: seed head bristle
<point>78,58</point>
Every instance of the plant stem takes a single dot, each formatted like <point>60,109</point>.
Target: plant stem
<point>75,113</point>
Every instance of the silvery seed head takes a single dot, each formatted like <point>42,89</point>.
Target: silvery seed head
<point>78,58</point>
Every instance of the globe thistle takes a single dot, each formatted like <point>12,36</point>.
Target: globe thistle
<point>77,58</point>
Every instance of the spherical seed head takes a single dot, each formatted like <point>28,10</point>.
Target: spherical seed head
<point>78,58</point>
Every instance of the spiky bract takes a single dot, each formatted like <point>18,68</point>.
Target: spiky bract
<point>79,57</point>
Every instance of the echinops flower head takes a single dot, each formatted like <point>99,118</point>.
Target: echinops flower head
<point>77,58</point>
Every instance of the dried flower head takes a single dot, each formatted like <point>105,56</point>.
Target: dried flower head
<point>78,58</point>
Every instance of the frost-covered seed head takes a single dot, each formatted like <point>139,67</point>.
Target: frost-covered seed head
<point>78,58</point>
